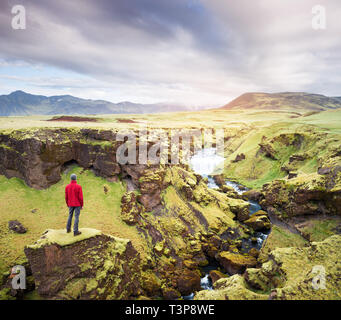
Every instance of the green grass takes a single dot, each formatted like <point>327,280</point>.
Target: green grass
<point>327,120</point>
<point>281,238</point>
<point>320,229</point>
<point>101,211</point>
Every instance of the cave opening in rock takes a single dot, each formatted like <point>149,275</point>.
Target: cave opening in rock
<point>67,166</point>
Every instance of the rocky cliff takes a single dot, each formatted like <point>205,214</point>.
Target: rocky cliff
<point>90,266</point>
<point>38,156</point>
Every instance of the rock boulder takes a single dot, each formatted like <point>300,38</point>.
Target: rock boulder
<point>236,263</point>
<point>89,266</point>
<point>16,226</point>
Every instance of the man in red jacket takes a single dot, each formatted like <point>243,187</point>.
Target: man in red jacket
<point>74,200</point>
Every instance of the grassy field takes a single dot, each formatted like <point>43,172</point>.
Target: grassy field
<point>215,118</point>
<point>39,210</point>
<point>207,118</point>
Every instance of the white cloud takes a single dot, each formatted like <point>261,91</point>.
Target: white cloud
<point>205,53</point>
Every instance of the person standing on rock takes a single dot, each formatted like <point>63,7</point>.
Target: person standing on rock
<point>74,200</point>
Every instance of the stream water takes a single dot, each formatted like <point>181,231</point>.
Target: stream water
<point>204,163</point>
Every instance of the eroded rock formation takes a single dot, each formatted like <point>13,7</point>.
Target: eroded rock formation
<point>307,273</point>
<point>90,266</point>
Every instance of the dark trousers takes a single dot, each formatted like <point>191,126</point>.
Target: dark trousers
<point>77,211</point>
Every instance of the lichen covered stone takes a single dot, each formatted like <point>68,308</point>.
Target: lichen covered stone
<point>89,266</point>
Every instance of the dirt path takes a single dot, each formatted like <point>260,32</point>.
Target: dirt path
<point>276,221</point>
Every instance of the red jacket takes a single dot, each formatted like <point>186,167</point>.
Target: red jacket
<point>74,195</point>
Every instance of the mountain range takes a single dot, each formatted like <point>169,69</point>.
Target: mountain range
<point>20,103</point>
<point>293,101</point>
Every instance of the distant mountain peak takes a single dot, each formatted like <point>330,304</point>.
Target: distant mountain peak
<point>17,92</point>
<point>284,101</point>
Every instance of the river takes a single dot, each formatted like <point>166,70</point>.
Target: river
<point>204,163</point>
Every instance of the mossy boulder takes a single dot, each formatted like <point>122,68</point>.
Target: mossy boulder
<point>226,189</point>
<point>159,247</point>
<point>240,208</point>
<point>89,266</point>
<point>188,282</point>
<point>202,194</point>
<point>231,288</point>
<point>259,221</point>
<point>254,252</point>
<point>16,226</point>
<point>190,264</point>
<point>130,208</point>
<point>253,195</point>
<point>151,284</point>
<point>267,277</point>
<point>170,294</point>
<point>215,275</point>
<point>219,180</point>
<point>306,194</point>
<point>236,263</point>
<point>151,185</point>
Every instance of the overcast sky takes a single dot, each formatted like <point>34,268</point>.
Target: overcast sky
<point>199,52</point>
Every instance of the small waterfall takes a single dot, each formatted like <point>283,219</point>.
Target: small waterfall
<point>235,186</point>
<point>205,161</point>
<point>211,183</point>
<point>254,207</point>
<point>206,283</point>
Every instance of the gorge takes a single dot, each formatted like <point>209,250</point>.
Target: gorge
<point>192,231</point>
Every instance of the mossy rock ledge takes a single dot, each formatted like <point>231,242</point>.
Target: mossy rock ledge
<point>293,273</point>
<point>90,266</point>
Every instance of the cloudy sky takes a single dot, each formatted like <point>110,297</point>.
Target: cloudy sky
<point>199,52</point>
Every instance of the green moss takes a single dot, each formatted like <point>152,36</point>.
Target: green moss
<point>150,176</point>
<point>92,284</point>
<point>298,265</point>
<point>289,274</point>
<point>32,295</point>
<point>85,266</point>
<point>5,294</point>
<point>159,246</point>
<point>4,146</point>
<point>74,288</point>
<point>62,238</point>
<point>232,288</point>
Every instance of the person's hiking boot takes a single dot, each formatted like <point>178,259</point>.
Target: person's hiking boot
<point>77,233</point>
<point>68,231</point>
